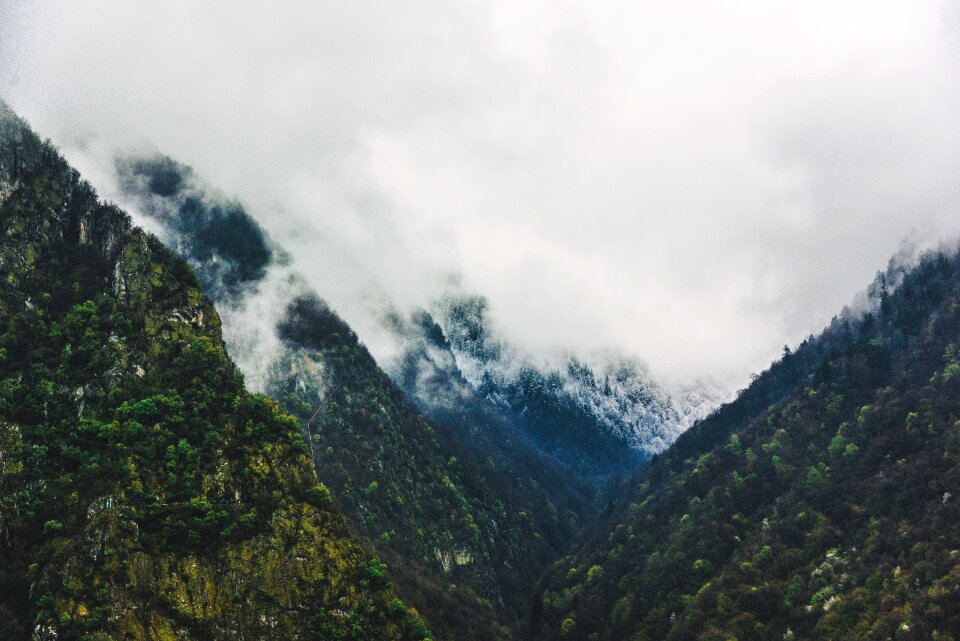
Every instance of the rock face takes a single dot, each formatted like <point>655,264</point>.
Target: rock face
<point>144,493</point>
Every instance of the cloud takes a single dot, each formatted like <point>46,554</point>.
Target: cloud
<point>694,183</point>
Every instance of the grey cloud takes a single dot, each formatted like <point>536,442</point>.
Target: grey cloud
<point>692,183</point>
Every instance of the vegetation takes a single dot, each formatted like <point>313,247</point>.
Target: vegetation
<point>466,513</point>
<point>144,493</point>
<point>228,247</point>
<point>404,495</point>
<point>537,402</point>
<point>819,505</point>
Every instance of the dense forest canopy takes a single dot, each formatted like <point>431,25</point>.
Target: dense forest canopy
<point>818,505</point>
<point>145,494</point>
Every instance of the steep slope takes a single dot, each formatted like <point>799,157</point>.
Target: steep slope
<point>465,517</point>
<point>819,505</point>
<point>144,494</point>
<point>598,420</point>
<point>462,549</point>
<point>594,421</point>
<point>488,439</point>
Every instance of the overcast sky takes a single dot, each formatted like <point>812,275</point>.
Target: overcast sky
<point>693,182</point>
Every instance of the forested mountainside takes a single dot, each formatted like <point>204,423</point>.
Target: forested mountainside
<point>596,420</point>
<point>144,493</point>
<point>464,510</point>
<point>819,505</point>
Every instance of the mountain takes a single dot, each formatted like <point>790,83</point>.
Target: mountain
<point>144,492</point>
<point>464,510</point>
<point>598,420</point>
<point>817,505</point>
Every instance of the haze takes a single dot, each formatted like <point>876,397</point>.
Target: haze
<point>693,183</point>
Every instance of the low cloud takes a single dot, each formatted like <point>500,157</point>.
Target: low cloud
<point>695,184</point>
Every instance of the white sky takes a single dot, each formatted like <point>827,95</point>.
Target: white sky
<point>693,182</point>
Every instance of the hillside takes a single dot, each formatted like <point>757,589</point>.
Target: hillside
<point>818,505</point>
<point>144,493</point>
<point>464,510</point>
<point>597,420</point>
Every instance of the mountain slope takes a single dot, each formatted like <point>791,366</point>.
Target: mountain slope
<point>819,505</point>
<point>598,420</point>
<point>465,517</point>
<point>143,492</point>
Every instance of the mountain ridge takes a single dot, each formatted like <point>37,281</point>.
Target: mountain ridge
<point>466,520</point>
<point>818,505</point>
<point>144,493</point>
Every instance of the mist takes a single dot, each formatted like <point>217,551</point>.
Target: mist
<point>694,184</point>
